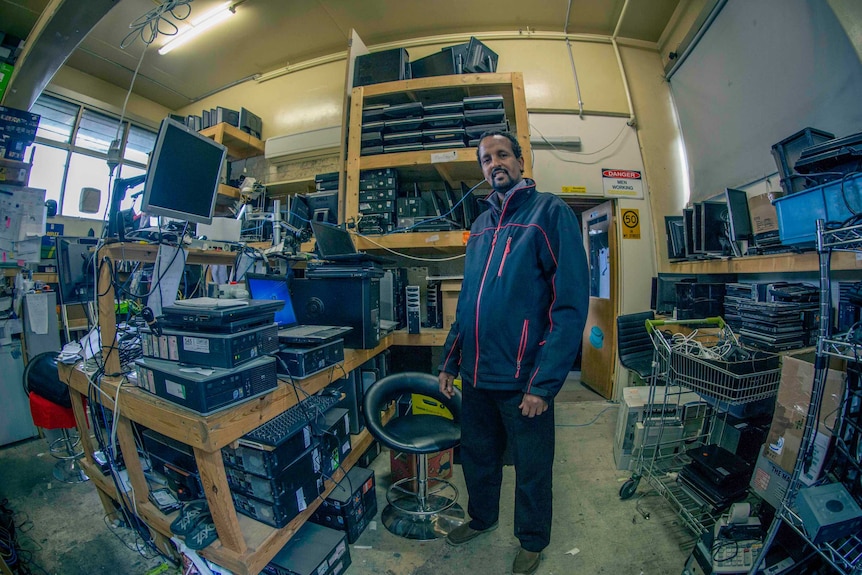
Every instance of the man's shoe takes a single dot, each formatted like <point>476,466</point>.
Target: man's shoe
<point>526,562</point>
<point>464,534</point>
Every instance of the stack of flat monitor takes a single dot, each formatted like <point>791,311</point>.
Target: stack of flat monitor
<point>710,229</point>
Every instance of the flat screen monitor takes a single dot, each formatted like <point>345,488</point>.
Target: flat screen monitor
<point>323,206</point>
<point>440,63</point>
<point>688,228</point>
<point>183,175</point>
<point>75,275</point>
<point>454,199</point>
<point>299,216</point>
<point>479,58</point>
<point>713,228</point>
<point>664,291</point>
<point>675,231</point>
<point>738,214</point>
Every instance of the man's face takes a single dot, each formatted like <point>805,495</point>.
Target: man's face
<point>499,165</point>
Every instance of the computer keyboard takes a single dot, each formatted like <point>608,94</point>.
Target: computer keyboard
<point>275,431</point>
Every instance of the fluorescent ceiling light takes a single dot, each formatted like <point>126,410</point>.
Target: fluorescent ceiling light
<point>205,22</point>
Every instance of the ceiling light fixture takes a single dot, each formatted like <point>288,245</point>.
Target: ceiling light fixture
<point>198,26</point>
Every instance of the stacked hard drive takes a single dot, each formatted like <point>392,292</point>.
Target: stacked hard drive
<point>439,126</point>
<point>787,319</point>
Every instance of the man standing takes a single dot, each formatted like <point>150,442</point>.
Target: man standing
<point>521,313</point>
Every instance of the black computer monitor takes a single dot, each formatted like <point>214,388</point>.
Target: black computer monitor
<point>454,199</point>
<point>299,216</point>
<point>713,228</point>
<point>663,298</point>
<point>440,63</point>
<point>323,206</point>
<point>75,269</point>
<point>738,214</point>
<point>675,231</point>
<point>479,58</point>
<point>183,174</point>
<point>688,228</point>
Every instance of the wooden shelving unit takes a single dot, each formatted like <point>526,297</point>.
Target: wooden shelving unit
<point>289,187</point>
<point>244,546</point>
<point>452,165</point>
<point>239,144</point>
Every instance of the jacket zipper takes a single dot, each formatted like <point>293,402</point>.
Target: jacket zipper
<point>503,260</point>
<point>482,288</point>
<point>522,347</point>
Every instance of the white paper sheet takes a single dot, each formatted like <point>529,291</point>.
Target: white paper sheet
<point>37,312</point>
<point>167,274</point>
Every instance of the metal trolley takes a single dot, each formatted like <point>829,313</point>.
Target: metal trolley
<point>697,364</point>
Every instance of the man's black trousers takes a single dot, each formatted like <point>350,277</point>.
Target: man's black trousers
<point>490,420</point>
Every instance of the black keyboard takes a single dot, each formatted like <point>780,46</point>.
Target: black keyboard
<point>275,431</point>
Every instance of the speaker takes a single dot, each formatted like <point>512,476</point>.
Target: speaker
<point>349,301</point>
<point>414,315</point>
<point>828,512</point>
<point>385,66</point>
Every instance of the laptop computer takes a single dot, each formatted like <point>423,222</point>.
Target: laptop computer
<point>335,244</point>
<point>262,287</point>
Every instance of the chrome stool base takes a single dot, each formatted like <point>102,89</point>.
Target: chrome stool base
<point>68,469</point>
<point>410,516</point>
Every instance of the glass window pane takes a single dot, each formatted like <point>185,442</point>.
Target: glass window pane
<point>139,145</point>
<point>96,131</point>
<point>127,171</point>
<point>58,118</point>
<point>85,172</point>
<point>47,171</point>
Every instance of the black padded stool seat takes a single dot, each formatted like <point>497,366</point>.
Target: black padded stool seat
<point>430,511</point>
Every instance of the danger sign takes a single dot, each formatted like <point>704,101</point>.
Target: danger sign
<point>622,183</point>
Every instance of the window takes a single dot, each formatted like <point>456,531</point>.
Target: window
<point>71,152</point>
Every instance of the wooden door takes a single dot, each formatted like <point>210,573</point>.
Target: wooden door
<point>599,341</point>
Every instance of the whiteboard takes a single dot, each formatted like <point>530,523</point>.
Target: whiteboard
<point>606,143</point>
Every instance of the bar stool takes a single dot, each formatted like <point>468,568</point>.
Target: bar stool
<point>431,511</point>
<point>51,408</point>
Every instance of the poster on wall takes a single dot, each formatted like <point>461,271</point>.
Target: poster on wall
<point>622,183</point>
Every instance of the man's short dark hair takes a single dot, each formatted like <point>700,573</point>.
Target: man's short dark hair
<point>516,147</point>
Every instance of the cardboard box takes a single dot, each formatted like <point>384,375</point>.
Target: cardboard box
<point>791,409</point>
<point>14,173</point>
<point>403,465</point>
<point>450,290</point>
<point>763,215</point>
<point>769,481</point>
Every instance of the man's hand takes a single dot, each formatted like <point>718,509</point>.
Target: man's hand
<point>446,387</point>
<point>532,405</point>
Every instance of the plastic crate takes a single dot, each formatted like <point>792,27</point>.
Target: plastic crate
<point>788,150</point>
<point>798,213</point>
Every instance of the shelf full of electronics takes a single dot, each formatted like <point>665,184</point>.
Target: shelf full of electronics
<point>413,132</point>
<point>227,403</point>
<point>823,498</point>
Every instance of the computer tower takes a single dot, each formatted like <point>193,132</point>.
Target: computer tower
<point>351,387</point>
<point>385,66</point>
<point>413,311</point>
<point>350,301</point>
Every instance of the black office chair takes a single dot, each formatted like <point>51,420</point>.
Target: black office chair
<point>634,345</point>
<point>431,511</point>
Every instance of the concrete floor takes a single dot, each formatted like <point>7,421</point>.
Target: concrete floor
<point>63,531</point>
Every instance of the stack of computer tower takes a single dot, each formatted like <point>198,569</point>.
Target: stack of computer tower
<point>483,114</point>
<point>351,505</point>
<point>229,344</point>
<point>327,182</point>
<point>378,190</point>
<point>786,318</point>
<point>443,126</point>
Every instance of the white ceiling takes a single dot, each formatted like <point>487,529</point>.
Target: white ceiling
<point>265,35</point>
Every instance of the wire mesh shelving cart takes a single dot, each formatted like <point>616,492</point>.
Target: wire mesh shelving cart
<point>696,362</point>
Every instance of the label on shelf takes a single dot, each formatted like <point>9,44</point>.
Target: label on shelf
<point>442,157</point>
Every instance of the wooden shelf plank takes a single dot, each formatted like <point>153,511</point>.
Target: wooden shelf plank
<point>148,252</point>
<point>426,337</point>
<point>239,144</point>
<point>441,241</point>
<point>778,263</point>
<point>290,187</point>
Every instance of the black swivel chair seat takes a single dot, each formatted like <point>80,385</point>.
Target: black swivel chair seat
<point>634,344</point>
<point>431,510</point>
